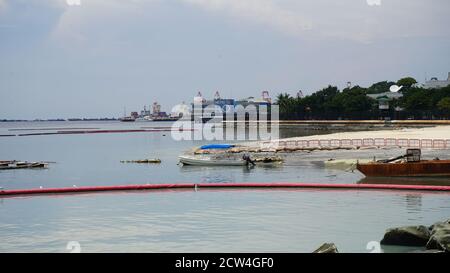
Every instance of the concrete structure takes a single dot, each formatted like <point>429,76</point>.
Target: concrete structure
<point>435,83</point>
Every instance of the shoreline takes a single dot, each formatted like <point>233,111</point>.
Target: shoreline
<point>351,122</point>
<point>436,137</point>
<point>436,132</point>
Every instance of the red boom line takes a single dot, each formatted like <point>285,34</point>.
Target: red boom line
<point>221,185</point>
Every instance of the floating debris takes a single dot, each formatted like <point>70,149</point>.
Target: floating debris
<point>344,164</point>
<point>268,159</point>
<point>143,161</point>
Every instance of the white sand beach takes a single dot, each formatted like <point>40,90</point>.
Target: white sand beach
<point>438,132</point>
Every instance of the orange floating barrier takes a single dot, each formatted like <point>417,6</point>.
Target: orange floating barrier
<point>139,187</point>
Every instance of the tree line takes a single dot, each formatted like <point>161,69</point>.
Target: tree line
<point>353,103</point>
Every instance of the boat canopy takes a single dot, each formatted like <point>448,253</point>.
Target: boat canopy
<point>216,146</point>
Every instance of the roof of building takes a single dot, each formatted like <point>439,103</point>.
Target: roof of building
<point>386,95</point>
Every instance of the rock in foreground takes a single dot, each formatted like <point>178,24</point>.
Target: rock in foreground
<point>327,248</point>
<point>440,236</point>
<point>407,236</point>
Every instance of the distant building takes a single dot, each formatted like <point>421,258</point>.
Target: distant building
<point>228,106</point>
<point>383,100</point>
<point>156,109</point>
<point>435,83</point>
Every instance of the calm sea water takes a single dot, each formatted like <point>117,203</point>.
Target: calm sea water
<point>188,220</point>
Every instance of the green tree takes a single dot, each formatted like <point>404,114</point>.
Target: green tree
<point>379,87</point>
<point>444,105</point>
<point>406,82</point>
<point>317,103</point>
<point>353,103</point>
<point>287,106</point>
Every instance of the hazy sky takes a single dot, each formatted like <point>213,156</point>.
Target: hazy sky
<point>92,59</point>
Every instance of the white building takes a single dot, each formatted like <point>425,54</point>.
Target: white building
<point>435,83</point>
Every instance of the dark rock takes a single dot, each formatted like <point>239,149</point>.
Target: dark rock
<point>327,248</point>
<point>407,236</point>
<point>440,236</point>
<point>438,224</point>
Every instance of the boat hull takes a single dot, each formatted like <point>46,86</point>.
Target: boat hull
<point>210,162</point>
<point>417,169</point>
<point>26,165</point>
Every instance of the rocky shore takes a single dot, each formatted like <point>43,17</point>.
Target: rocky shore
<point>435,237</point>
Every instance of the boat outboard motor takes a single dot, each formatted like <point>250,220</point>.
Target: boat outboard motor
<point>248,160</point>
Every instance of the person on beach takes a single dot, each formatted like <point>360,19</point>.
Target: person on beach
<point>248,160</point>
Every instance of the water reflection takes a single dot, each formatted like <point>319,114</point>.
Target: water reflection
<point>188,220</point>
<point>413,202</point>
<point>220,174</point>
<point>430,181</point>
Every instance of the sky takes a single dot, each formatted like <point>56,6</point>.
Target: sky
<point>92,58</point>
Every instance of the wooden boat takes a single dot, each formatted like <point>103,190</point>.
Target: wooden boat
<point>413,166</point>
<point>421,168</point>
<point>4,163</point>
<point>23,165</point>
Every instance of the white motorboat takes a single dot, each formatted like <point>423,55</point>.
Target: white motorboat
<point>209,161</point>
<point>226,161</point>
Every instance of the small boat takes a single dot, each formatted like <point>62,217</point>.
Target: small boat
<point>216,161</point>
<point>4,163</point>
<point>143,161</point>
<point>412,166</point>
<point>209,161</point>
<point>22,165</point>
